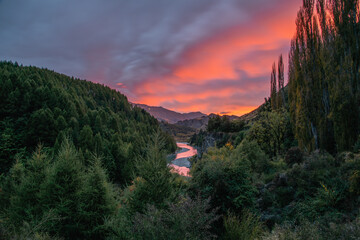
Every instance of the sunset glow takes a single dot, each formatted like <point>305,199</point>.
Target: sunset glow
<point>185,56</point>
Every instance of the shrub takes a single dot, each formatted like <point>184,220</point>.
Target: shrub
<point>248,227</point>
<point>186,219</point>
<point>294,155</point>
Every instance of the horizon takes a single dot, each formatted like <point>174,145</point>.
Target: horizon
<point>186,57</point>
<point>221,114</point>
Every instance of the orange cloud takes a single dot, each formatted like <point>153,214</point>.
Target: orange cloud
<point>239,110</point>
<point>121,85</point>
<point>242,54</point>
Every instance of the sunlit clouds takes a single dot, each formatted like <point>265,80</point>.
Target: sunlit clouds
<point>185,55</point>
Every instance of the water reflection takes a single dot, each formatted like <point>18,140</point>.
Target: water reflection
<point>181,163</point>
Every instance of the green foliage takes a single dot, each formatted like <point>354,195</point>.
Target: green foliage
<point>315,231</point>
<point>271,130</point>
<point>250,152</point>
<point>248,227</point>
<point>294,155</point>
<point>324,75</point>
<point>317,189</point>
<point>224,177</point>
<point>97,201</point>
<point>219,123</point>
<point>273,88</point>
<point>41,106</point>
<point>57,196</point>
<point>183,219</point>
<point>154,184</point>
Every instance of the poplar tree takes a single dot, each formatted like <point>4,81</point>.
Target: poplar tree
<point>324,75</point>
<point>281,94</point>
<point>273,88</point>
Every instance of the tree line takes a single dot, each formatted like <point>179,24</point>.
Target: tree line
<point>324,75</point>
<point>41,106</point>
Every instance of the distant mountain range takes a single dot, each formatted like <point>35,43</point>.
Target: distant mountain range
<point>163,114</point>
<point>195,120</point>
<point>183,125</point>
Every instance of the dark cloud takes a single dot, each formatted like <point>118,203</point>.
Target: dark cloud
<point>121,41</point>
<point>131,38</point>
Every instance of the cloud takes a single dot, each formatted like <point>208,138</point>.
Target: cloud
<point>170,53</point>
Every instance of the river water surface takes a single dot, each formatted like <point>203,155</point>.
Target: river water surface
<point>181,162</point>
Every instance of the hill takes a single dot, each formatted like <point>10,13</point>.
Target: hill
<point>180,133</point>
<point>42,106</point>
<point>163,114</point>
<point>201,122</point>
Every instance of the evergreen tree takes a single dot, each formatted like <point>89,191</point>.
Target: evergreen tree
<point>61,191</point>
<point>97,202</point>
<point>154,182</point>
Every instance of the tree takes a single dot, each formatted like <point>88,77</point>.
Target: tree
<point>281,93</point>
<point>86,138</point>
<point>324,75</point>
<point>224,177</point>
<point>61,191</point>
<point>273,88</point>
<point>41,128</point>
<point>154,182</point>
<point>270,131</point>
<point>97,201</point>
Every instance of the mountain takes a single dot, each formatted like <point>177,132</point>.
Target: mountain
<point>163,114</point>
<point>42,106</point>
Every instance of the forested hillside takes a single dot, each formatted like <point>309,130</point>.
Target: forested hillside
<point>292,171</point>
<point>39,106</point>
<point>78,162</point>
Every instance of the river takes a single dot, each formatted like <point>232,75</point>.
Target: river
<point>181,162</point>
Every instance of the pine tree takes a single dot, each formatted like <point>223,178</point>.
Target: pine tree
<point>61,191</point>
<point>96,202</point>
<point>154,184</point>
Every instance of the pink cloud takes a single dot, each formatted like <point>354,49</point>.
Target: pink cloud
<point>250,48</point>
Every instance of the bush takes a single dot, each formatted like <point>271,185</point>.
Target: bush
<point>250,151</point>
<point>248,227</point>
<point>186,219</point>
<point>225,179</point>
<point>293,155</point>
<point>315,231</point>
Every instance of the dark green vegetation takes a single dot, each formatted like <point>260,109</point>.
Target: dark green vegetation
<point>324,75</point>
<point>180,133</point>
<point>64,143</point>
<point>100,171</point>
<point>40,106</point>
<point>292,172</point>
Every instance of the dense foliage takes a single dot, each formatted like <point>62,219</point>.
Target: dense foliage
<point>282,175</point>
<point>300,191</point>
<point>324,75</point>
<point>219,123</point>
<point>41,106</point>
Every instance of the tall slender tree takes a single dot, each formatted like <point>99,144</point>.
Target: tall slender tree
<point>273,88</point>
<point>281,94</point>
<point>324,75</point>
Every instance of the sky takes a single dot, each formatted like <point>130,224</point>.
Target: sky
<point>213,56</point>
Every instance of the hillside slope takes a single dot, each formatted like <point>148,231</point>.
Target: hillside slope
<point>163,114</point>
<point>41,106</point>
